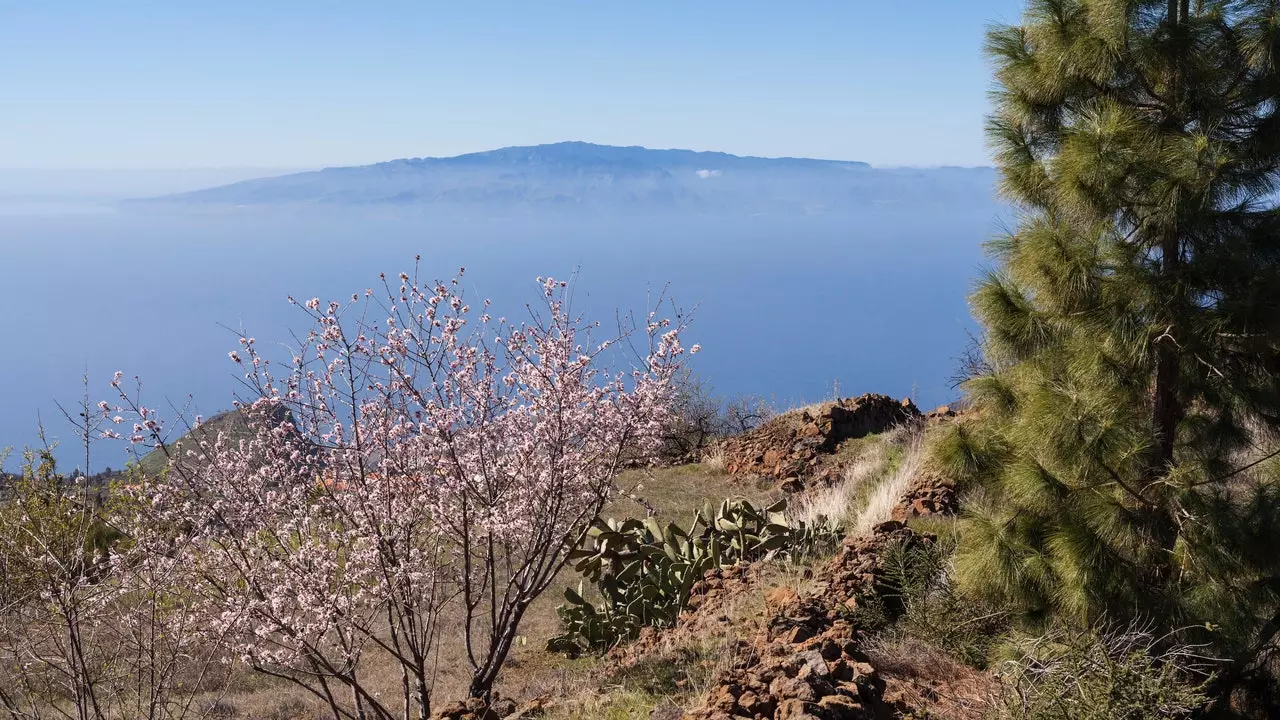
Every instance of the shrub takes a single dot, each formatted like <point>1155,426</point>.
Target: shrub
<point>699,418</point>
<point>917,601</point>
<point>85,630</point>
<point>1129,674</point>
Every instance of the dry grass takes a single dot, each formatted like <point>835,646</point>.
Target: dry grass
<point>889,490</point>
<point>714,459</point>
<point>920,676</point>
<point>841,501</point>
<point>811,408</point>
<point>664,683</point>
<point>878,470</point>
<point>674,494</point>
<point>280,702</point>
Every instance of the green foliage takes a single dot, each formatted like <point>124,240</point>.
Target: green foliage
<point>916,599</point>
<point>966,452</point>
<point>55,531</point>
<point>1132,328</point>
<point>1081,675</point>
<point>644,571</point>
<point>75,638</point>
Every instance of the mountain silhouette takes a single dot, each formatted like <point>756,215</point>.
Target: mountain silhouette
<point>579,174</point>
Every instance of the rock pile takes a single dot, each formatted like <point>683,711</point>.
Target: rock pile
<point>823,677</point>
<point>942,413</point>
<point>807,664</point>
<point>790,447</point>
<point>856,572</point>
<point>719,584</point>
<point>928,495</point>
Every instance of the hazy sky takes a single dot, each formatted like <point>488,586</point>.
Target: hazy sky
<point>179,84</point>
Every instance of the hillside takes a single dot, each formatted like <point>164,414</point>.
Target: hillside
<point>741,645</point>
<point>229,425</point>
<point>863,621</point>
<point>577,174</point>
<point>858,462</point>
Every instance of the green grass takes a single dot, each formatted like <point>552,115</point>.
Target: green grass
<point>672,680</point>
<point>676,493</point>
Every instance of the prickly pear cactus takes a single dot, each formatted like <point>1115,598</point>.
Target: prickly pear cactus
<point>644,571</point>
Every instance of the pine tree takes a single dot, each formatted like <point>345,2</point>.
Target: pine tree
<point>1133,321</point>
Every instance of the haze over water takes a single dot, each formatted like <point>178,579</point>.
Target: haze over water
<point>788,306</point>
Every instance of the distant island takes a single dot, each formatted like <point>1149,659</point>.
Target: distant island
<point>585,175</point>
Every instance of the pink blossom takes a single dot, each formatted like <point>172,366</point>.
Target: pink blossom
<point>426,460</point>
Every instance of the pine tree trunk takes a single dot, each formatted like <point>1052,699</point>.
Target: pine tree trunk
<point>1167,406</point>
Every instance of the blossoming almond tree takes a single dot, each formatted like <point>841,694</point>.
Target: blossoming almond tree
<point>413,458</point>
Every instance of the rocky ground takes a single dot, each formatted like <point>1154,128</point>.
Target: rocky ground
<point>794,449</point>
<point>810,662</point>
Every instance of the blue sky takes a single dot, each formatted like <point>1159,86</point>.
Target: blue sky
<point>181,84</point>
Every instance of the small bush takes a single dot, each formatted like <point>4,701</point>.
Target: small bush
<point>700,418</point>
<point>714,458</point>
<point>1087,675</point>
<point>935,612</point>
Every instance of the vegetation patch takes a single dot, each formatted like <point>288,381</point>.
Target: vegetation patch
<point>645,572</point>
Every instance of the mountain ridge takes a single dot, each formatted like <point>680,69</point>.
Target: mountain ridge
<point>613,151</point>
<point>580,174</point>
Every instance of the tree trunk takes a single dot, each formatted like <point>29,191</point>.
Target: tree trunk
<point>482,681</point>
<point>424,698</point>
<point>1166,411</point>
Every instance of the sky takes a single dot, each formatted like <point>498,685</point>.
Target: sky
<point>239,83</point>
